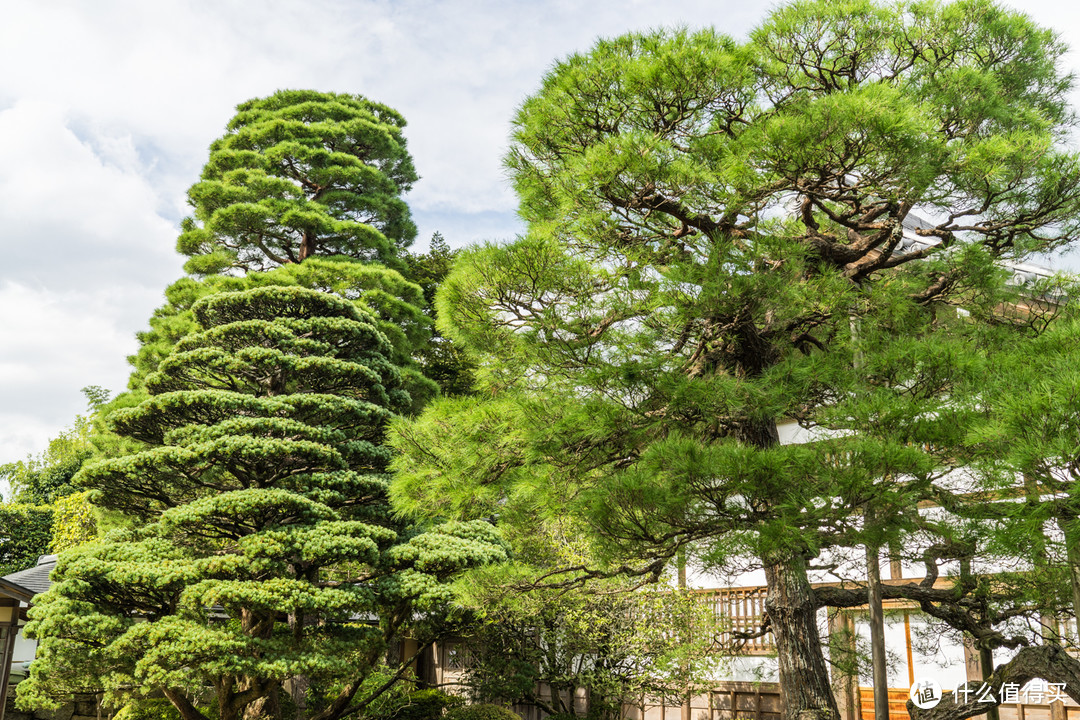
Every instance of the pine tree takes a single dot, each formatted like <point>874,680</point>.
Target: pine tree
<point>442,361</point>
<point>393,302</point>
<point>725,236</point>
<point>261,547</point>
<point>300,174</point>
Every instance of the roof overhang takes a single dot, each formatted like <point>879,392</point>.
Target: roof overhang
<point>14,590</point>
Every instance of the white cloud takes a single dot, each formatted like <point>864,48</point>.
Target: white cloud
<point>86,258</point>
<point>107,109</point>
<point>52,344</point>
<point>71,218</point>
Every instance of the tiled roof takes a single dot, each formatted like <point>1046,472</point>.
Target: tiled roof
<point>32,581</point>
<point>1022,273</point>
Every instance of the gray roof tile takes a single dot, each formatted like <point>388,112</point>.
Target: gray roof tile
<point>35,579</point>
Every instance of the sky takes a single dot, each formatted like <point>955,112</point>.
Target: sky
<point>107,110</point>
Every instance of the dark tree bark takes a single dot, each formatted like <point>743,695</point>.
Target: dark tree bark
<point>804,677</point>
<point>187,710</point>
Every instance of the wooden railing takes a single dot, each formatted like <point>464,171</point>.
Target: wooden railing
<point>740,611</point>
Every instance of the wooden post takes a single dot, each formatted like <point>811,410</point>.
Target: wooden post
<point>845,685</point>
<point>9,628</point>
<point>686,710</point>
<point>896,567</point>
<point>910,654</point>
<point>877,631</point>
<point>972,666</point>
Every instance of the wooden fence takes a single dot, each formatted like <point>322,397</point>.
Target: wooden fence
<point>731,700</point>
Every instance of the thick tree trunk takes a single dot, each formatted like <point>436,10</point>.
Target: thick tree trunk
<point>986,661</point>
<point>187,710</point>
<point>804,677</point>
<point>267,707</point>
<point>298,685</point>
<point>307,246</point>
<point>298,689</point>
<point>805,687</point>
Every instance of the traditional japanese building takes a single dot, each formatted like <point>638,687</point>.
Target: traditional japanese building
<point>17,591</point>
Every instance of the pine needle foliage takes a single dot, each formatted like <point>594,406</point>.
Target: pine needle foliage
<point>300,174</point>
<point>1029,450</point>
<point>393,303</point>
<point>263,547</point>
<point>731,239</point>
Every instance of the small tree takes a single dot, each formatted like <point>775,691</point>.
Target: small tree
<point>262,547</point>
<point>615,642</point>
<point>441,360</point>
<point>47,477</point>
<point>300,174</point>
<point>48,513</point>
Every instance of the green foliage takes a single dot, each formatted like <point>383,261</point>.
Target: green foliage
<point>394,302</point>
<point>482,711</point>
<point>49,514</point>
<point>613,640</point>
<point>1029,445</point>
<point>426,704</point>
<point>74,522</point>
<point>46,478</point>
<point>442,361</point>
<point>298,174</point>
<point>264,548</point>
<point>732,240</point>
<point>24,535</point>
<point>151,709</point>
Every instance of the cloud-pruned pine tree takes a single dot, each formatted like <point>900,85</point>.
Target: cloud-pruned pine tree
<point>394,302</point>
<point>263,548</point>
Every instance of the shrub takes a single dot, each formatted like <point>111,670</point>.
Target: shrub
<point>418,705</point>
<point>24,535</point>
<point>151,709</point>
<point>482,711</point>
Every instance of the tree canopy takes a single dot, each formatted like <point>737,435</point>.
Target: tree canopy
<point>47,512</point>
<point>263,548</point>
<point>441,360</point>
<point>299,174</point>
<point>25,532</point>
<point>396,306</point>
<point>728,239</point>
